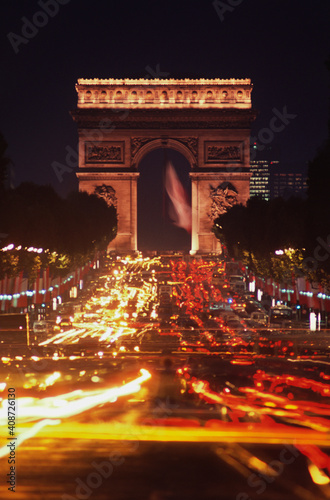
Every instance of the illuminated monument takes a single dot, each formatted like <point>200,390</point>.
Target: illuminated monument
<point>208,121</point>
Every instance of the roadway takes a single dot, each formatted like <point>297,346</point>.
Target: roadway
<point>175,398</point>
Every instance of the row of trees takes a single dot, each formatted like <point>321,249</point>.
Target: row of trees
<point>255,232</point>
<point>298,227</point>
<point>36,215</point>
<point>68,230</point>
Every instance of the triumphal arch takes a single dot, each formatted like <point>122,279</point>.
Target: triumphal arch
<point>208,121</point>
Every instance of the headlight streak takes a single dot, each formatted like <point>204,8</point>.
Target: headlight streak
<point>246,458</point>
<point>75,402</point>
<point>50,380</point>
<point>52,409</point>
<point>317,475</point>
<point>73,336</point>
<point>106,334</point>
<point>68,334</point>
<point>29,433</point>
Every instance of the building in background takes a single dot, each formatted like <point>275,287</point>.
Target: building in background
<point>287,184</point>
<point>271,178</point>
<point>260,181</point>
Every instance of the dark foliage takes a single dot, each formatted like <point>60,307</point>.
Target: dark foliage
<point>318,213</point>
<point>36,216</point>
<point>318,219</point>
<point>263,227</point>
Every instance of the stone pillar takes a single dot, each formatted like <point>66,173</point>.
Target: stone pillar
<point>207,120</point>
<point>195,216</point>
<point>206,206</point>
<point>124,185</point>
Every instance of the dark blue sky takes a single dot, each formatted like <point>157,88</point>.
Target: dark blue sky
<point>281,45</point>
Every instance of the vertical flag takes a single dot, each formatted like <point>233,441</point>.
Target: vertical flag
<point>180,210</point>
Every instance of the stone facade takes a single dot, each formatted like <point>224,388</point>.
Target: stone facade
<point>208,121</point>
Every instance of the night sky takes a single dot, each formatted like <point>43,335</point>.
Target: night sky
<point>281,45</point>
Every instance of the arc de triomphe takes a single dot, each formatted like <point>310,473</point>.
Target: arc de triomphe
<point>208,121</point>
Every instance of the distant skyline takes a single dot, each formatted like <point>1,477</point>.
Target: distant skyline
<point>48,44</point>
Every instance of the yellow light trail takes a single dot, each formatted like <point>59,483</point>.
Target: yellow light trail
<point>318,475</point>
<point>51,410</point>
<point>67,405</point>
<point>29,433</point>
<point>68,334</point>
<point>228,433</point>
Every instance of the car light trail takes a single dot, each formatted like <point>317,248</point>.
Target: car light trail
<point>318,475</point>
<point>106,335</point>
<point>68,334</point>
<point>29,433</point>
<point>51,410</point>
<point>70,404</point>
<point>224,433</point>
<point>231,401</point>
<point>290,413</point>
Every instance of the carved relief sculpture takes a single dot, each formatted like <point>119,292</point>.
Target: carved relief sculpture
<point>107,193</point>
<point>191,143</point>
<point>206,120</point>
<point>223,153</point>
<point>138,142</point>
<point>223,197</point>
<point>104,152</point>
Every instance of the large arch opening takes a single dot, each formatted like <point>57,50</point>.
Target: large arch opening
<point>156,230</point>
<point>207,121</point>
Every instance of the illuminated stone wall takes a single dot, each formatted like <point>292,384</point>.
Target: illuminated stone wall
<point>208,121</point>
<point>167,93</point>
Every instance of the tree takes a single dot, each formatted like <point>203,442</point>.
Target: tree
<point>87,222</point>
<point>319,202</point>
<point>69,229</point>
<point>254,233</point>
